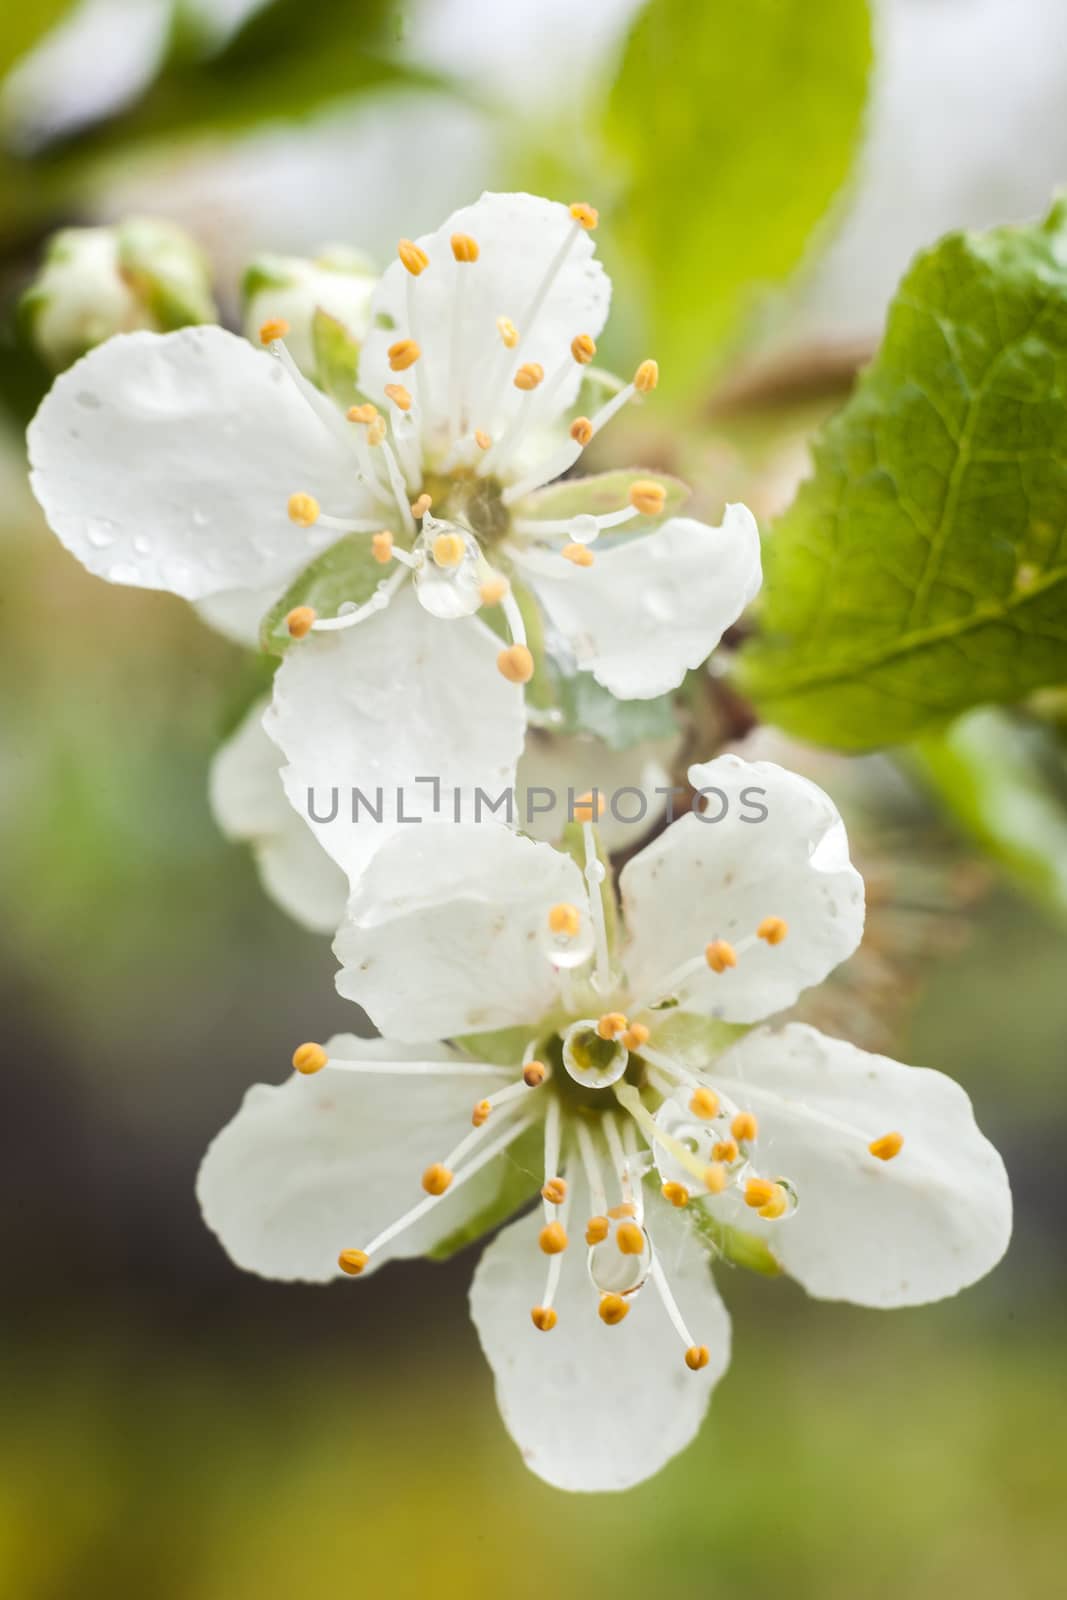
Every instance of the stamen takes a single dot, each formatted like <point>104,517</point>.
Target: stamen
<point>382,547</point>
<point>593,1178</point>
<point>403,354</point>
<point>273,329</point>
<point>553,1121</point>
<point>482,439</point>
<point>352,1262</point>
<point>309,1058</point>
<point>480,1114</point>
<point>776,1206</point>
<point>693,1351</point>
<point>583,349</point>
<point>534,1074</point>
<point>597,1230</point>
<point>378,601</point>
<point>715,1178</point>
<point>589,807</point>
<point>448,549</point>
<point>719,955</point>
<point>400,396</point>
<point>630,1239</point>
<point>594,878</point>
<point>488,1153</point>
<point>436,1179</point>
<point>508,332</point>
<point>676,1194</point>
<point>552,1239</point>
<point>612,1309</point>
<point>759,1192</point>
<point>697,1356</point>
<point>646,377</point>
<point>888,1146</point>
<point>580,554</point>
<point>586,216</point>
<point>581,431</point>
<point>647,497</point>
<point>303,509</point>
<point>543,1318</point>
<point>362,413</point>
<point>631,1203</point>
<point>772,929</point>
<point>464,248</point>
<point>300,621</point>
<point>554,1191</point>
<point>420,506</point>
<point>413,256</point>
<point>493,590</point>
<point>744,1127</point>
<point>726,1150</point>
<point>516,664</point>
<point>704,1104</point>
<point>630,1100</point>
<point>635,1036</point>
<point>611,1024</point>
<point>465,253</point>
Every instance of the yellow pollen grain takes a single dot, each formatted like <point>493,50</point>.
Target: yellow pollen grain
<point>376,431</point>
<point>726,1150</point>
<point>719,955</point>
<point>480,1114</point>
<point>585,215</point>
<point>564,919</point>
<point>273,328</point>
<point>464,248</point>
<point>533,1074</point>
<point>776,1206</point>
<point>352,1262</point>
<point>611,1024</point>
<point>303,509</point>
<point>630,1239</point>
<point>516,664</point>
<point>363,413</point>
<point>309,1058</point>
<point>585,810</point>
<point>508,332</point>
<point>676,1193</point>
<point>400,396</point>
<point>715,1178</point>
<point>583,349</point>
<point>403,354</point>
<point>635,1036</point>
<point>888,1146</point>
<point>697,1356</point>
<point>420,506</point>
<point>612,1309</point>
<point>448,549</point>
<point>436,1179</point>
<point>646,377</point>
<point>758,1192</point>
<point>529,375</point>
<point>482,439</point>
<point>704,1103</point>
<point>772,929</point>
<point>647,496</point>
<point>580,554</point>
<point>555,1191</point>
<point>744,1127</point>
<point>381,546</point>
<point>543,1318</point>
<point>552,1239</point>
<point>581,431</point>
<point>627,1209</point>
<point>597,1230</point>
<point>413,256</point>
<point>300,621</point>
<point>493,590</point>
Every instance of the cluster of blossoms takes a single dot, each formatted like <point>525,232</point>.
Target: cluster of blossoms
<point>601,1052</point>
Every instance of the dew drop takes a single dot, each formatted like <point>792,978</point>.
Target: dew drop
<point>100,535</point>
<point>142,544</point>
<point>123,572</point>
<point>658,603</point>
<point>584,528</point>
<point>200,517</point>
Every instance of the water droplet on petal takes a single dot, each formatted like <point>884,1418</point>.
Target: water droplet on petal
<point>142,545</point>
<point>123,572</point>
<point>659,603</point>
<point>100,534</point>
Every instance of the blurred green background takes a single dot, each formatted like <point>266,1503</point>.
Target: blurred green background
<point>174,1429</point>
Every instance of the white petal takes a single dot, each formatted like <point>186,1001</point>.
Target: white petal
<point>879,1233</point>
<point>652,608</point>
<point>595,1408</point>
<point>167,461</point>
<point>250,805</point>
<point>446,932</point>
<point>398,698</point>
<point>552,764</point>
<point>321,1164</point>
<point>780,850</point>
<point>518,236</point>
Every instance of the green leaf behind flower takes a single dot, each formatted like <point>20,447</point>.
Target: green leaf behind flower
<point>923,569</point>
<point>336,358</point>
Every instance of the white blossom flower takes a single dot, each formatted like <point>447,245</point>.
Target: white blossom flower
<point>249,803</point>
<point>598,1069</point>
<point>196,463</point>
<point>292,289</point>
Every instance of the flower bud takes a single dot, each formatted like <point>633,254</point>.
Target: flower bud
<point>142,273</point>
<point>339,282</point>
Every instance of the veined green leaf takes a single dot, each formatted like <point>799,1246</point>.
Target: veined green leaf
<point>923,569</point>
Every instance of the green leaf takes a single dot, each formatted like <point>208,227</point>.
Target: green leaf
<point>730,1244</point>
<point>347,571</point>
<point>1004,781</point>
<point>521,1171</point>
<point>336,358</point>
<point>598,494</point>
<point>923,569</point>
<point>734,128</point>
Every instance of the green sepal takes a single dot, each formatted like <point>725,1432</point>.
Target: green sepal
<point>600,494</point>
<point>336,358</point>
<point>347,571</point>
<point>694,1041</point>
<point>727,1243</point>
<point>501,1047</point>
